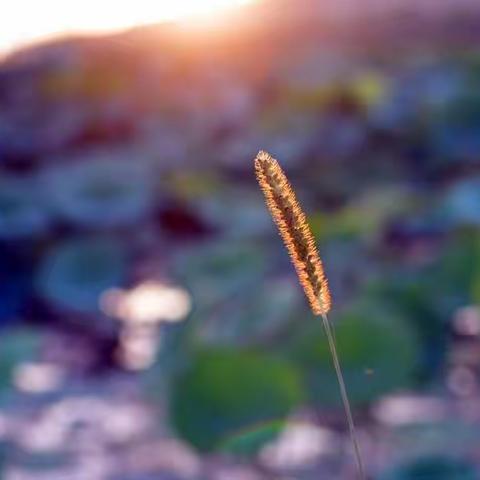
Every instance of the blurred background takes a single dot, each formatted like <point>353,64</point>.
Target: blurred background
<point>151,325</point>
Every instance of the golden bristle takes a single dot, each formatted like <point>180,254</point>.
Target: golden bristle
<point>295,232</point>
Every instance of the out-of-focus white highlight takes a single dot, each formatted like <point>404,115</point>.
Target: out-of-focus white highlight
<point>37,377</point>
<point>399,410</point>
<point>141,310</point>
<point>300,444</point>
<point>462,381</point>
<point>466,321</point>
<point>115,422</point>
<point>149,303</point>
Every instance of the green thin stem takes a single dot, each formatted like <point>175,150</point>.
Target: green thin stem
<point>344,395</point>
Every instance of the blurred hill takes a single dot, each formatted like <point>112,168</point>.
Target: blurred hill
<point>111,81</point>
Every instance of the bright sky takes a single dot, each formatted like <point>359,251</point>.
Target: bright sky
<point>24,21</point>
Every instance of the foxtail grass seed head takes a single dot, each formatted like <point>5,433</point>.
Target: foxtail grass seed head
<point>295,231</point>
<point>298,238</point>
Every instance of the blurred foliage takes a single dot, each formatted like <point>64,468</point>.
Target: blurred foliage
<point>100,190</point>
<point>18,346</point>
<point>367,215</point>
<point>269,311</point>
<point>378,350</point>
<point>224,394</point>
<point>221,270</point>
<point>455,279</point>
<point>22,213</point>
<point>75,273</point>
<point>461,202</point>
<point>438,468</point>
<point>412,295</point>
<point>427,296</point>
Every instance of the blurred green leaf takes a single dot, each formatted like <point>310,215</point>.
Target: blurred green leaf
<point>378,352</point>
<point>226,393</point>
<point>412,293</point>
<point>456,275</point>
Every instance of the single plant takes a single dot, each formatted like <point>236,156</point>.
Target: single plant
<point>300,243</point>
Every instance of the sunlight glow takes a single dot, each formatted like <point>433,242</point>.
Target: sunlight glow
<point>25,21</point>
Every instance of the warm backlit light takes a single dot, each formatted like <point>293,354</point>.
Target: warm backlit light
<point>25,21</point>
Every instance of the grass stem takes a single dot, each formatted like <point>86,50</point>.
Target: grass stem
<point>344,395</point>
